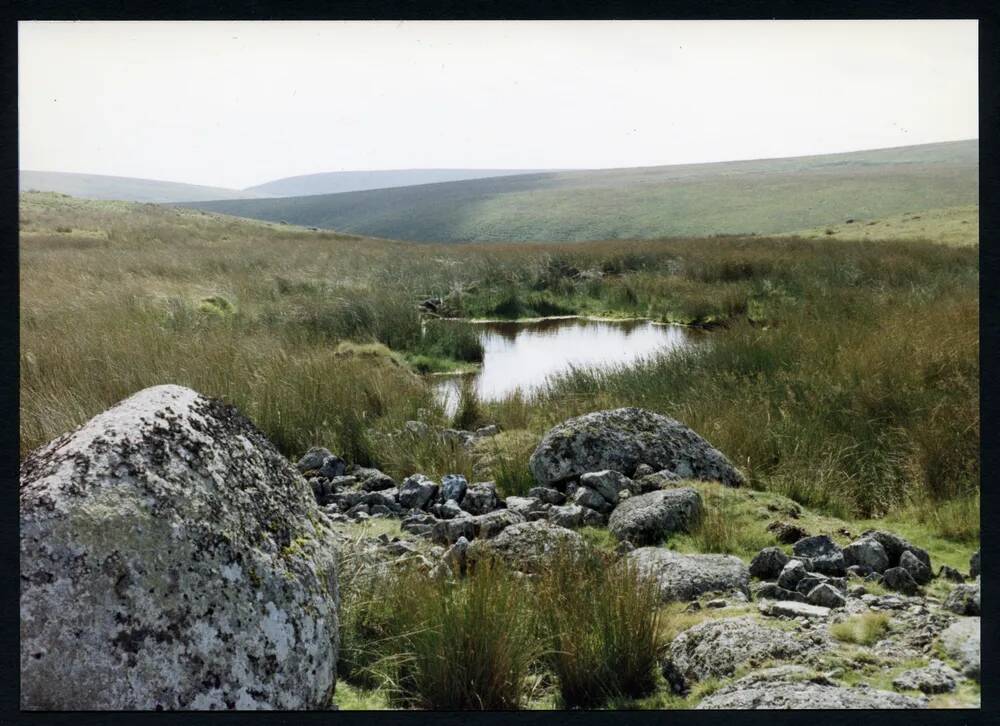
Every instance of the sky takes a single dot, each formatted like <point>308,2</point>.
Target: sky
<point>235,104</point>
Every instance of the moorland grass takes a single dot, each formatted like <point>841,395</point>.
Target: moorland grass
<point>843,374</point>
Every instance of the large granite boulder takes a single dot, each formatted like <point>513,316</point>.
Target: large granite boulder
<point>686,577</point>
<point>716,648</point>
<point>621,440</point>
<point>648,518</point>
<point>172,558</point>
<point>795,687</point>
<point>527,546</point>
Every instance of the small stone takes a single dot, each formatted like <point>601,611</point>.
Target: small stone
<point>964,600</point>
<point>589,498</point>
<point>768,563</point>
<point>920,572</point>
<point>900,580</point>
<point>974,565</point>
<point>771,591</point>
<point>567,515</point>
<point>451,510</point>
<point>480,498</point>
<point>935,678</point>
<point>867,553</point>
<point>951,574</point>
<point>313,459</point>
<point>791,573</point>
<point>453,486</point>
<point>717,603</point>
<point>786,533</point>
<point>608,483</point>
<point>791,609</point>
<point>549,496</point>
<point>417,491</point>
<point>827,596</point>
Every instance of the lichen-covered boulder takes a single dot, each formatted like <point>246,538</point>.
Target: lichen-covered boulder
<point>648,518</point>
<point>622,439</point>
<point>961,641</point>
<point>868,554</point>
<point>768,563</point>
<point>685,577</point>
<point>895,546</point>
<point>526,546</point>
<point>716,648</point>
<point>964,600</point>
<point>796,687</point>
<point>172,558</point>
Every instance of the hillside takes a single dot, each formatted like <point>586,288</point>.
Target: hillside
<point>951,225</point>
<point>123,188</point>
<point>767,196</point>
<point>352,181</point>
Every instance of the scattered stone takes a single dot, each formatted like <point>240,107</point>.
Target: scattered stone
<point>857,591</point>
<point>453,486</point>
<point>589,498</point>
<point>920,572</point>
<point>935,678</point>
<point>786,533</point>
<point>487,431</point>
<point>974,565</point>
<point>621,440</point>
<point>961,642</point>
<point>450,510</point>
<point>791,574</point>
<point>162,542</point>
<point>964,600</point>
<point>717,648</point>
<point>866,553</point>
<point>493,523</point>
<point>685,577</point>
<point>900,580</point>
<point>642,470</point>
<point>649,518</point>
<point>810,547</point>
<point>333,467</point>
<point>951,574</point>
<point>568,515</point>
<point>480,498</point>
<point>771,591</point>
<point>372,479</point>
<point>525,505</point>
<point>717,603</point>
<point>449,531</point>
<point>417,491</point>
<point>826,595</point>
<point>792,609</point>
<point>609,484</point>
<point>549,496</point>
<point>593,518</point>
<point>525,546</point>
<point>313,459</point>
<point>795,687</point>
<point>894,546</point>
<point>768,563</point>
<point>455,556</point>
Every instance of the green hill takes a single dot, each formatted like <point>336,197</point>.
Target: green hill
<point>767,196</point>
<point>338,182</point>
<point>123,188</point>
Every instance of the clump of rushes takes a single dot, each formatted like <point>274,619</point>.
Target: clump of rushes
<point>602,626</point>
<point>460,645</point>
<point>863,629</point>
<point>469,413</point>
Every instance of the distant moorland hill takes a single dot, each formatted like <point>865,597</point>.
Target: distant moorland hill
<point>767,196</point>
<point>352,181</point>
<point>123,188</point>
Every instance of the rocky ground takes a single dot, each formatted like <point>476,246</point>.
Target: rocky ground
<point>819,619</point>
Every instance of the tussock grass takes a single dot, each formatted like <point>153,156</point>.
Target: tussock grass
<point>863,629</point>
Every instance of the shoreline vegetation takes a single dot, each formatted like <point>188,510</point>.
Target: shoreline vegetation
<point>308,332</point>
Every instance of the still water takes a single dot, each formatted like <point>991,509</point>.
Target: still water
<point>521,356</point>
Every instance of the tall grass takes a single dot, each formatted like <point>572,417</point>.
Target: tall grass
<point>602,624</point>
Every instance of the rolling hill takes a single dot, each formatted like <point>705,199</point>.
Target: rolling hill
<point>767,196</point>
<point>123,188</point>
<point>352,181</point>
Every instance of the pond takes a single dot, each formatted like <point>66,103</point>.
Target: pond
<point>522,355</point>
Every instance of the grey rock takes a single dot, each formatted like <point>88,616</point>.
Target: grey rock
<point>790,575</point>
<point>593,518</point>
<point>379,510</point>
<point>685,577</point>
<point>449,531</point>
<point>795,687</point>
<point>771,591</point>
<point>333,466</point>
<point>416,492</point>
<point>608,483</point>
<point>623,438</point>
<point>385,498</point>
<point>792,609</point>
<point>768,563</point>
<point>961,642</point>
<point>450,510</point>
<point>526,547</point>
<point>642,470</point>
<point>811,547</point>
<point>568,515</point>
<point>455,556</point>
<point>950,574</point>
<point>935,678</point>
<point>485,431</point>
<point>920,572</point>
<point>900,580</point>
<point>717,648</point>
<point>894,546</point>
<point>867,553</point>
<point>170,557</point>
<point>649,518</point>
<point>525,505</point>
<point>589,498</point>
<point>357,509</point>
<point>493,523</point>
<point>655,481</point>
<point>374,480</point>
<point>786,533</point>
<point>453,486</point>
<point>480,498</point>
<point>974,565</point>
<point>964,600</point>
<point>826,595</point>
<point>313,459</point>
<point>549,496</point>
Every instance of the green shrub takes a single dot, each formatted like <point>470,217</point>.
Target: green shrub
<point>863,629</point>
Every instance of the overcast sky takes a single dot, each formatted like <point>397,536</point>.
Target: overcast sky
<point>238,103</point>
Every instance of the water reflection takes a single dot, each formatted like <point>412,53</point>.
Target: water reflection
<point>523,355</point>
